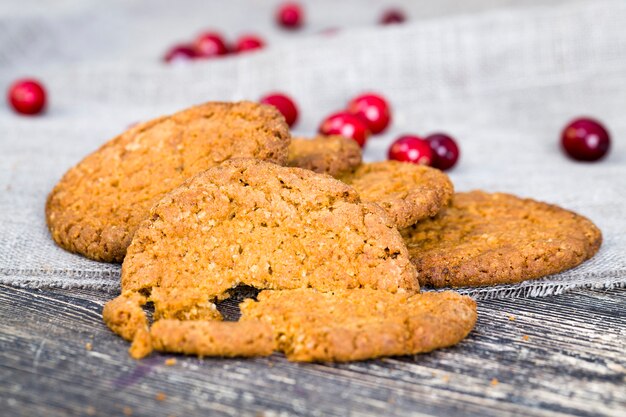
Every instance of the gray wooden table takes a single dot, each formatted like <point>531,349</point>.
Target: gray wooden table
<point>561,355</point>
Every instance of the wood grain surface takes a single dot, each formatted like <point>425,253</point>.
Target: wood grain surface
<point>551,356</point>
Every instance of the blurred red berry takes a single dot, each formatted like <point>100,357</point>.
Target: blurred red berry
<point>290,15</point>
<point>27,96</point>
<point>445,150</point>
<point>411,149</point>
<point>210,45</point>
<point>585,139</point>
<point>347,125</point>
<point>248,43</point>
<point>284,104</point>
<point>373,110</point>
<point>180,53</point>
<point>392,16</point>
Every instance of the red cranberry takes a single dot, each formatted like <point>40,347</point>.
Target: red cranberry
<point>373,110</point>
<point>210,45</point>
<point>392,16</point>
<point>284,104</point>
<point>585,139</point>
<point>411,149</point>
<point>249,43</point>
<point>180,53</point>
<point>290,15</point>
<point>27,96</point>
<point>345,124</point>
<point>445,150</point>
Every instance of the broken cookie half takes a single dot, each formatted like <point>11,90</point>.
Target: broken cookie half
<point>344,325</point>
<point>248,222</point>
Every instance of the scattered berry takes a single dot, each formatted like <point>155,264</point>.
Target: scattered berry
<point>180,53</point>
<point>373,110</point>
<point>411,149</point>
<point>445,151</point>
<point>284,104</point>
<point>290,15</point>
<point>347,125</point>
<point>210,45</point>
<point>585,139</point>
<point>392,16</point>
<point>27,96</point>
<point>249,43</point>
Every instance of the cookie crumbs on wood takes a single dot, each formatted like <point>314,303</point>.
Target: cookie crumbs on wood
<point>160,396</point>
<point>511,318</point>
<point>88,346</point>
<point>170,361</point>
<point>526,337</point>
<point>494,382</point>
<point>128,411</point>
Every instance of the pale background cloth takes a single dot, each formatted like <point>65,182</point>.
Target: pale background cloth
<point>502,77</point>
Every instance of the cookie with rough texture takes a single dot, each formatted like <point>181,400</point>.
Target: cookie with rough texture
<point>248,222</point>
<point>360,324</point>
<point>96,207</point>
<point>308,325</point>
<point>332,155</point>
<point>213,338</point>
<point>407,192</point>
<point>486,239</point>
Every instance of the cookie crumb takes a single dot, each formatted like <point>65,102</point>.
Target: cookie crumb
<point>494,382</point>
<point>161,396</point>
<point>525,337</point>
<point>90,410</point>
<point>88,346</point>
<point>170,361</point>
<point>128,411</point>
<point>446,378</point>
<point>511,318</point>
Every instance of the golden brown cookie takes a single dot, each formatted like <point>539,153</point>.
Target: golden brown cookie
<point>332,155</point>
<point>258,224</point>
<point>96,207</point>
<point>213,338</point>
<point>407,192</point>
<point>487,239</point>
<point>361,324</point>
<point>308,325</point>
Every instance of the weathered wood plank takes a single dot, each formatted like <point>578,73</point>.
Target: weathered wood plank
<point>558,356</point>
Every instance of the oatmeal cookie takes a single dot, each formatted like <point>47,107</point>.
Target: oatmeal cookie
<point>407,192</point>
<point>249,222</point>
<point>96,207</point>
<point>332,155</point>
<point>487,239</point>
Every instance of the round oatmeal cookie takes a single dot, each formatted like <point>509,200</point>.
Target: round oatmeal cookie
<point>407,192</point>
<point>249,222</point>
<point>332,155</point>
<point>487,239</point>
<point>96,207</point>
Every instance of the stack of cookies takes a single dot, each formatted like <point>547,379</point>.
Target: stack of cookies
<point>219,195</point>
